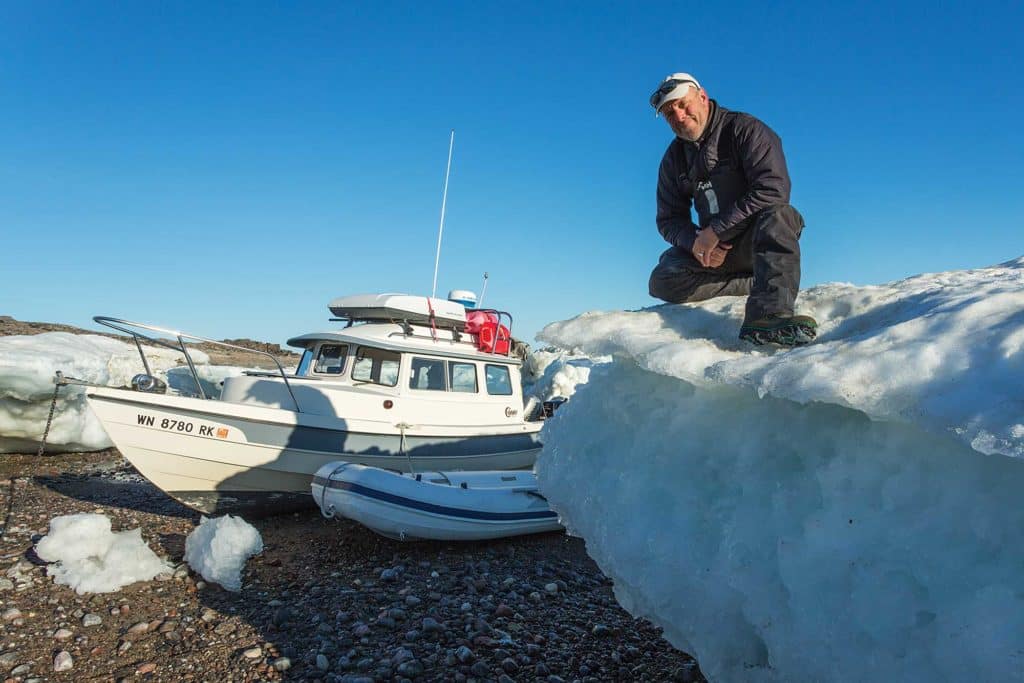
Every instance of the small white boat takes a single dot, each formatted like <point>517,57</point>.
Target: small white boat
<point>444,506</point>
<point>408,383</point>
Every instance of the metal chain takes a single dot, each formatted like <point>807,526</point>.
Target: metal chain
<point>49,420</point>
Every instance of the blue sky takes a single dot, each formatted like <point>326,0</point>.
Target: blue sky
<point>228,169</point>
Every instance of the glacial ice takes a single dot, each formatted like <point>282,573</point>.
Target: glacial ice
<point>27,367</point>
<point>843,511</point>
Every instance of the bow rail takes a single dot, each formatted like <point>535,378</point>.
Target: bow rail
<point>131,328</point>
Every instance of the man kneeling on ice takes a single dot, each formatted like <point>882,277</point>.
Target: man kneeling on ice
<point>729,166</point>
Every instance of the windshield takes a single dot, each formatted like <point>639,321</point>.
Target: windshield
<point>303,368</point>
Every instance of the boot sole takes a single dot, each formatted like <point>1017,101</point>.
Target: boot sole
<point>786,335</point>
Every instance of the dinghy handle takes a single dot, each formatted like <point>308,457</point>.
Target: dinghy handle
<point>323,492</point>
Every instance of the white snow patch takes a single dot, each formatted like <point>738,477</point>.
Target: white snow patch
<point>218,548</point>
<point>837,512</point>
<point>90,558</point>
<point>547,374</point>
<point>27,367</point>
<point>942,351</point>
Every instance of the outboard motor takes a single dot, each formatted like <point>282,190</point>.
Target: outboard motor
<point>148,384</point>
<point>554,404</point>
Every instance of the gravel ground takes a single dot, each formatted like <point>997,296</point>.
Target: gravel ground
<point>325,601</point>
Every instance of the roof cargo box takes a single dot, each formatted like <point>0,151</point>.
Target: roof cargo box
<point>414,309</point>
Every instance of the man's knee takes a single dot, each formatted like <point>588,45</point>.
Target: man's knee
<point>671,280</point>
<point>781,214</point>
<point>667,285</point>
<point>778,219</point>
<point>680,286</point>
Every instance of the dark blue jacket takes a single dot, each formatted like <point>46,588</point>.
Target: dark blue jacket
<point>735,170</point>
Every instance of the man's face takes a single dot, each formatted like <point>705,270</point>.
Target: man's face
<point>688,115</point>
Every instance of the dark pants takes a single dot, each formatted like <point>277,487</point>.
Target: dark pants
<point>764,263</point>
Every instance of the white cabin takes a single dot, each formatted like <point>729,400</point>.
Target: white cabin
<point>421,373</point>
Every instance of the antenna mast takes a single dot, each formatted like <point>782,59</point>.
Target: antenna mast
<point>444,200</point>
<point>484,293</point>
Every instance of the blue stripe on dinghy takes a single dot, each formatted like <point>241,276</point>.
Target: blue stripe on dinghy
<point>436,509</point>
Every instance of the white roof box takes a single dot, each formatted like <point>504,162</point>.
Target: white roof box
<point>414,309</point>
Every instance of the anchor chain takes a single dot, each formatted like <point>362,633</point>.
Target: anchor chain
<point>58,383</point>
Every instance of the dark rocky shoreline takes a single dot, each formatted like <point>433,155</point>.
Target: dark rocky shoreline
<point>327,600</point>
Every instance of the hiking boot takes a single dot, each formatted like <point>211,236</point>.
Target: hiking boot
<point>781,329</point>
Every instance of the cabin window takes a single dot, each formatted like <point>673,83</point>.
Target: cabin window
<point>330,360</point>
<point>462,377</point>
<point>427,374</point>
<point>304,363</point>
<point>376,365</point>
<point>498,381</point>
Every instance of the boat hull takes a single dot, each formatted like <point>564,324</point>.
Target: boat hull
<point>435,505</point>
<point>219,457</point>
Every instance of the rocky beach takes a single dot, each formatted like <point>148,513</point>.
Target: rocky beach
<point>326,600</point>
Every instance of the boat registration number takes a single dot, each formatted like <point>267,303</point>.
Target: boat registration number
<point>183,426</point>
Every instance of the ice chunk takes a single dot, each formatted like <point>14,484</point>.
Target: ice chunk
<point>87,556</point>
<point>943,351</point>
<point>549,374</point>
<point>839,512</point>
<point>218,548</point>
<point>27,367</point>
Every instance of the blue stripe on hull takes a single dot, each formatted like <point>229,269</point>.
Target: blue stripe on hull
<point>342,442</point>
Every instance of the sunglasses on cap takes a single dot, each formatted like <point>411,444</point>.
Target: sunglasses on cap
<point>667,87</point>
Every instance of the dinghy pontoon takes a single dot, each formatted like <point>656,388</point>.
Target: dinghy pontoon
<point>446,506</point>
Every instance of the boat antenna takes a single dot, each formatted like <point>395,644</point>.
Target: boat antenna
<point>444,200</point>
<point>484,292</point>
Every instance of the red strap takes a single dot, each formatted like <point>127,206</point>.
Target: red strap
<point>433,327</point>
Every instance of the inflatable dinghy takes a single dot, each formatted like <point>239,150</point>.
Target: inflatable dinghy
<point>445,506</point>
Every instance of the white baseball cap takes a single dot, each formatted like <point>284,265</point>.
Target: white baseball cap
<point>672,87</point>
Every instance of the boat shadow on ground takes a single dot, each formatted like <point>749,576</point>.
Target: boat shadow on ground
<point>141,496</point>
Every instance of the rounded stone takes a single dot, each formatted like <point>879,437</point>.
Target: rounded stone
<point>136,629</point>
<point>63,661</point>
